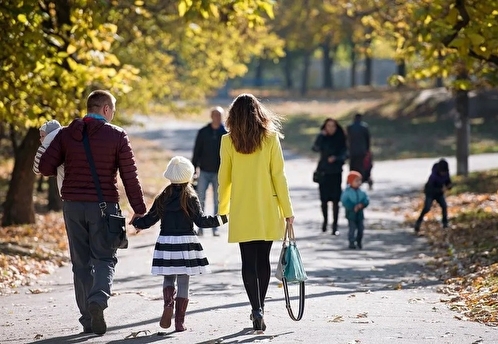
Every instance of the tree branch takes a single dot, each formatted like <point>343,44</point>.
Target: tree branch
<point>460,6</point>
<point>462,10</point>
<point>490,59</point>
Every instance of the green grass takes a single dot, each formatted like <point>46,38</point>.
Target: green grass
<point>399,129</point>
<point>484,182</point>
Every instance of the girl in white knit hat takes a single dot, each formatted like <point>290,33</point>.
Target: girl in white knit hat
<point>178,253</point>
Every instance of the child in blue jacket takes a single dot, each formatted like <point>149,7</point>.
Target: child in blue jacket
<point>354,200</point>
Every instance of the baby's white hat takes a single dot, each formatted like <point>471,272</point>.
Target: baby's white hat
<point>50,126</point>
<point>180,170</point>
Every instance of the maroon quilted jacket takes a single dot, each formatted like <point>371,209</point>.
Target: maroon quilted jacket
<point>111,152</point>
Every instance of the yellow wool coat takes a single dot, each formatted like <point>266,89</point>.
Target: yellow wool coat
<point>253,191</point>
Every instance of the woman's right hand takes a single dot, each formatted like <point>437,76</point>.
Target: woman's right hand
<point>289,220</point>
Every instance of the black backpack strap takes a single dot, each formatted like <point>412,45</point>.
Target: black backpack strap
<point>89,157</point>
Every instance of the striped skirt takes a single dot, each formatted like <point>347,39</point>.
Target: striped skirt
<point>179,255</point>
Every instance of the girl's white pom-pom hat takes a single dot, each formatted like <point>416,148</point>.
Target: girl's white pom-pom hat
<point>179,170</point>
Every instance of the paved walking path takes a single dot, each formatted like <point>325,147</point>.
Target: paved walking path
<point>381,294</point>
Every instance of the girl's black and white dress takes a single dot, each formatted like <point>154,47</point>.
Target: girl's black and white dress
<point>178,250</point>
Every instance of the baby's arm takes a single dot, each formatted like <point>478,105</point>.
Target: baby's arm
<point>36,161</point>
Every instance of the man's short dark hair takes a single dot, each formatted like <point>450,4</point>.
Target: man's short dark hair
<point>358,116</point>
<point>97,99</point>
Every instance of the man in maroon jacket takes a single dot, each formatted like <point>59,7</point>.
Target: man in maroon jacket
<point>92,258</point>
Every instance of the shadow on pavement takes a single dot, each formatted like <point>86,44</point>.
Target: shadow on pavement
<point>74,338</point>
<point>236,337</point>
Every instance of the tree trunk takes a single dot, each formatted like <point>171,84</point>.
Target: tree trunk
<point>258,77</point>
<point>288,62</point>
<point>328,63</point>
<point>18,206</point>
<point>462,126</point>
<point>353,65</point>
<point>368,70</point>
<point>439,79</point>
<point>54,198</point>
<point>367,79</point>
<point>306,68</point>
<point>439,82</point>
<point>401,67</point>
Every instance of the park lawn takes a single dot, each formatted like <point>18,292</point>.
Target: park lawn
<point>466,255</point>
<point>27,251</point>
<point>483,182</point>
<point>399,129</point>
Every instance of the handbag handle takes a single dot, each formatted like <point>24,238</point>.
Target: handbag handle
<point>290,237</point>
<point>289,233</point>
<point>301,300</point>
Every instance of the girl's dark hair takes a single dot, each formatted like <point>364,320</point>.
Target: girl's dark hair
<point>249,122</point>
<point>186,193</point>
<point>442,166</point>
<point>339,129</point>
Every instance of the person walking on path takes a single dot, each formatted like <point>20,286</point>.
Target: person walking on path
<point>253,190</point>
<point>178,254</point>
<point>206,157</point>
<point>331,144</point>
<point>360,156</point>
<point>439,180</point>
<point>93,259</point>
<point>47,133</point>
<point>354,201</point>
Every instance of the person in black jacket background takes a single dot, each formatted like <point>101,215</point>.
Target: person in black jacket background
<point>331,144</point>
<point>438,182</point>
<point>359,148</point>
<point>206,157</point>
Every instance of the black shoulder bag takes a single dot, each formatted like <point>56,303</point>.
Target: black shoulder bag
<point>114,224</point>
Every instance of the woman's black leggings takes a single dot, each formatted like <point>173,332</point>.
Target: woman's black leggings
<point>335,212</point>
<point>256,270</point>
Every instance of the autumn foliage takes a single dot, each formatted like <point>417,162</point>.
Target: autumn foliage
<point>31,250</point>
<point>466,255</point>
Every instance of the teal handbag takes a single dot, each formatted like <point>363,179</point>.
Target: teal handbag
<point>294,269</point>
<point>290,269</point>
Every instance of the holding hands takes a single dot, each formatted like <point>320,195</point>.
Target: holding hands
<point>133,218</point>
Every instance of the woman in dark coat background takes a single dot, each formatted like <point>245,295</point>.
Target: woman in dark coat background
<point>331,144</point>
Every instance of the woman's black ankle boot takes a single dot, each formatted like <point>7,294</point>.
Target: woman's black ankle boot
<point>258,323</point>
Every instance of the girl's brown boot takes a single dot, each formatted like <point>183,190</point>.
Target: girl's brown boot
<point>169,302</point>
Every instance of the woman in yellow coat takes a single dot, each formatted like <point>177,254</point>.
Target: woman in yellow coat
<point>253,191</point>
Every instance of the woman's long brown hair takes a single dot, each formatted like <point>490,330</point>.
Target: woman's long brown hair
<point>249,122</point>
<point>186,193</point>
<point>339,130</point>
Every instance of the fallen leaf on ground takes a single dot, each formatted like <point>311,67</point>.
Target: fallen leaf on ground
<point>465,255</point>
<point>135,334</point>
<point>337,318</point>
